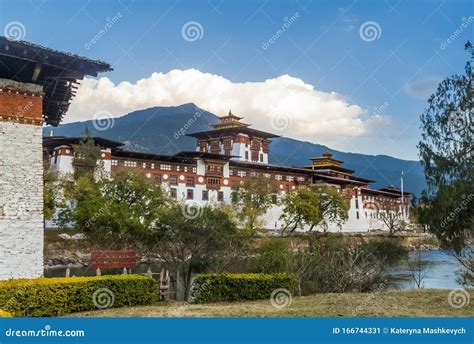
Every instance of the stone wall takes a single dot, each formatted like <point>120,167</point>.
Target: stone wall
<point>21,191</point>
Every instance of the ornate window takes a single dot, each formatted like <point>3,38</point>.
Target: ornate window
<point>214,183</point>
<point>157,178</point>
<point>189,194</point>
<point>214,169</point>
<point>173,180</point>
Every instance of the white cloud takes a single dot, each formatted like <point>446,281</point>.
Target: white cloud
<point>313,115</point>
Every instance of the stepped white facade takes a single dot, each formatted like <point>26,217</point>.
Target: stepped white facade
<point>227,155</point>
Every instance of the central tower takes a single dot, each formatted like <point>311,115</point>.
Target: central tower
<point>232,137</point>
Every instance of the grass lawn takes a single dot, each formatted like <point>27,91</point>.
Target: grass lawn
<point>410,303</point>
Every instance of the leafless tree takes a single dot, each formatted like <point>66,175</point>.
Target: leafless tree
<point>418,269</point>
<point>391,219</point>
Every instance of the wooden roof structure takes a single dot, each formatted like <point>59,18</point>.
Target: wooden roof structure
<point>56,71</point>
<point>56,141</point>
<point>230,121</point>
<point>221,133</point>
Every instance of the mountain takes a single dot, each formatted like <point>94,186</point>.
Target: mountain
<point>163,129</point>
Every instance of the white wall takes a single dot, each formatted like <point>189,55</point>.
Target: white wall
<point>21,201</point>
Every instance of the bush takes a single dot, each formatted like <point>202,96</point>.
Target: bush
<point>341,266</point>
<point>5,314</point>
<point>273,256</point>
<point>58,296</point>
<point>388,250</point>
<point>237,287</point>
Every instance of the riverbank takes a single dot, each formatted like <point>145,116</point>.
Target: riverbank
<point>66,249</point>
<point>410,303</point>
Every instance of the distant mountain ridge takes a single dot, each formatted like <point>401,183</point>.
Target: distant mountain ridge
<point>163,130</point>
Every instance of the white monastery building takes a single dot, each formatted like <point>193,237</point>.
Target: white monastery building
<point>227,155</point>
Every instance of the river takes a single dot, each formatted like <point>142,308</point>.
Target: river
<point>439,271</point>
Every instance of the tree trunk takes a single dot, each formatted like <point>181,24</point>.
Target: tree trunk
<point>187,282</point>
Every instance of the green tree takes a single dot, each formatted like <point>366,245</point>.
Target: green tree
<point>317,205</point>
<point>446,151</point>
<point>273,256</point>
<point>252,199</point>
<point>52,190</point>
<point>116,213</point>
<point>196,243</point>
<point>87,154</point>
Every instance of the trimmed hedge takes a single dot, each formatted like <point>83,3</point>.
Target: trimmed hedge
<point>5,314</point>
<point>236,287</point>
<point>57,296</point>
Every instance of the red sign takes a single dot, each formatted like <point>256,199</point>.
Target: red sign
<point>113,259</point>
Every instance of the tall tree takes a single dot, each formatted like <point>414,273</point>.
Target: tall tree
<point>252,199</point>
<point>195,244</point>
<point>447,151</point>
<point>116,213</point>
<point>317,205</point>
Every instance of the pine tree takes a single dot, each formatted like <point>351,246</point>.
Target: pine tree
<point>446,151</point>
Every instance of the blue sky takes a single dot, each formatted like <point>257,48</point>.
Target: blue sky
<point>386,77</point>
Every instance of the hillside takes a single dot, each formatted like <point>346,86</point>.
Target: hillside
<point>159,130</point>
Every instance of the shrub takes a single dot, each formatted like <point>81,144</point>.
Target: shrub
<point>388,250</point>
<point>58,296</point>
<point>236,287</point>
<point>342,266</point>
<point>273,256</point>
<point>5,314</point>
